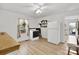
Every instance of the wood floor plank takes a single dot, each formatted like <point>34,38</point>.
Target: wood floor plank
<point>41,47</point>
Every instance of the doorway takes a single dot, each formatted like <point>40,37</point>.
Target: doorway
<point>72,28</point>
<point>22,29</point>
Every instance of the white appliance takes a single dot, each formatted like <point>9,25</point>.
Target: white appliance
<point>53,32</point>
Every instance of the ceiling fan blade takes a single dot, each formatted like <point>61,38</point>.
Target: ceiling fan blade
<point>43,7</point>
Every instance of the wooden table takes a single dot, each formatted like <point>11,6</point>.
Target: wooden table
<point>7,43</point>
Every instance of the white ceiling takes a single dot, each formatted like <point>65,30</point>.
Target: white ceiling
<point>47,8</point>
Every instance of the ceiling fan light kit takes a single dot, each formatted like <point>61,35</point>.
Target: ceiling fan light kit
<point>38,11</point>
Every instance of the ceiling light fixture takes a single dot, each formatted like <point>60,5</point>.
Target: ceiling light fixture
<point>38,11</point>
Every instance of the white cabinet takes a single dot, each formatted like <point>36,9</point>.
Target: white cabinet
<point>53,32</point>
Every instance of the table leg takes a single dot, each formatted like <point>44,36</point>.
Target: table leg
<point>68,50</point>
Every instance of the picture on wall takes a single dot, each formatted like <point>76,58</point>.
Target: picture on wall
<point>43,23</point>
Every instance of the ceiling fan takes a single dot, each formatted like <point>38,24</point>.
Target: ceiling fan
<point>37,7</point>
<point>40,7</point>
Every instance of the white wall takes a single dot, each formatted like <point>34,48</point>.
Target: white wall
<point>33,23</point>
<point>8,22</point>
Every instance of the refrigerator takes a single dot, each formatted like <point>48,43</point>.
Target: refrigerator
<point>53,32</point>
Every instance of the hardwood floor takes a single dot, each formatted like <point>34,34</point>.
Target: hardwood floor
<point>40,47</point>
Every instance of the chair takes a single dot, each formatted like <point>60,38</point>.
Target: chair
<point>73,44</point>
<point>73,47</point>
